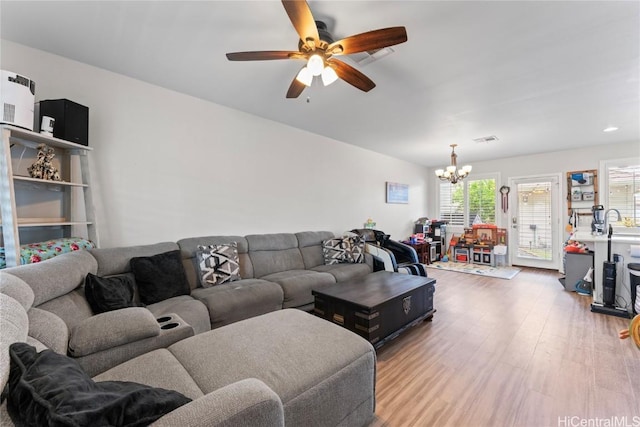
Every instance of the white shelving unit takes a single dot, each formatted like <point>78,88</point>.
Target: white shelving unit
<point>74,206</point>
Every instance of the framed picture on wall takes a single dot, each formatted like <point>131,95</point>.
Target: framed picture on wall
<point>397,193</point>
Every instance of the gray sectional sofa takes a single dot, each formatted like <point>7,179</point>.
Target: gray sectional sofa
<point>263,364</point>
<point>277,270</point>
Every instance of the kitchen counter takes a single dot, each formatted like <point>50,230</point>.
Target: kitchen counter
<point>621,241</point>
<point>625,235</point>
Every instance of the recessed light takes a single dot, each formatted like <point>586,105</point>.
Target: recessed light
<point>610,129</point>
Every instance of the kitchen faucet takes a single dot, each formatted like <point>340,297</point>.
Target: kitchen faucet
<point>606,217</point>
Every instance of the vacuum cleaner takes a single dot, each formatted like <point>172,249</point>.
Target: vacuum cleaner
<point>609,274</point>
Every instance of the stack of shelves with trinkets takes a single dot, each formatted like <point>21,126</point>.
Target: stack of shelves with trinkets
<point>46,193</point>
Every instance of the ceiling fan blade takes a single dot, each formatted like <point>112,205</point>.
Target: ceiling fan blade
<point>371,40</point>
<point>264,55</point>
<point>295,89</point>
<point>350,75</point>
<point>302,19</point>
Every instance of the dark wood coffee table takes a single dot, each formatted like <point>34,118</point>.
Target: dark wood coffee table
<point>378,306</point>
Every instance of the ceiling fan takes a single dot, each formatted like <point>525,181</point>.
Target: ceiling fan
<point>319,50</point>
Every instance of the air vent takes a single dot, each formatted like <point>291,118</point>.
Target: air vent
<point>364,58</point>
<point>491,138</point>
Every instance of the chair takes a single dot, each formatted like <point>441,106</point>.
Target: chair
<point>390,255</point>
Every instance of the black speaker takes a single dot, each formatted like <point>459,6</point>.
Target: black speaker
<point>72,119</point>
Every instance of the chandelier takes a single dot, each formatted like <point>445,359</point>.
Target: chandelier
<point>452,173</point>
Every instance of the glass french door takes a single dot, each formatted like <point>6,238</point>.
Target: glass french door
<point>535,221</point>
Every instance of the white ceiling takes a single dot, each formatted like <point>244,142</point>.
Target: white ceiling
<point>540,75</point>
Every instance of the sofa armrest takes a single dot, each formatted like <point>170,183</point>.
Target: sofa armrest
<point>111,329</point>
<point>244,403</point>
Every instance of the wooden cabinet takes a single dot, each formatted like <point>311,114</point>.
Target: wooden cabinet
<point>33,209</point>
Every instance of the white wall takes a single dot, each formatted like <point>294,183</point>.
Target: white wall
<point>167,166</point>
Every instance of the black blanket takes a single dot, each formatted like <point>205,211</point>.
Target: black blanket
<point>49,389</point>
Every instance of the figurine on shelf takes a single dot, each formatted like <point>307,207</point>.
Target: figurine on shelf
<point>370,224</point>
<point>43,167</point>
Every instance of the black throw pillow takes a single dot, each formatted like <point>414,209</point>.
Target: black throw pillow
<point>160,277</point>
<point>108,293</point>
<point>49,389</point>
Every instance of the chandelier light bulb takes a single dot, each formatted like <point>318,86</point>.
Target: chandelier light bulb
<point>439,172</point>
<point>451,169</point>
<point>315,65</point>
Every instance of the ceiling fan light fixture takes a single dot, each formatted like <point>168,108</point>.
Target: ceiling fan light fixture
<point>317,46</point>
<point>315,65</point>
<point>305,77</point>
<point>329,76</point>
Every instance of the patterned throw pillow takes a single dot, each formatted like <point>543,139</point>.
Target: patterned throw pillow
<point>218,264</point>
<point>334,251</point>
<point>355,249</point>
<point>341,250</point>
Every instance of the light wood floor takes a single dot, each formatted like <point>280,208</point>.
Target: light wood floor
<point>519,352</point>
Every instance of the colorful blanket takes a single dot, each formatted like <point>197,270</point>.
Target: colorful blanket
<point>36,252</point>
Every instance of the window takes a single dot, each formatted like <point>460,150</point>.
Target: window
<point>622,190</point>
<point>451,210</point>
<point>468,202</point>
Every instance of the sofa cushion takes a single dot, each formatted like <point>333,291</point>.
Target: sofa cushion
<point>310,244</point>
<point>343,272</point>
<point>297,285</point>
<point>109,293</point>
<point>218,264</point>
<point>239,300</point>
<point>160,276</point>
<point>72,308</point>
<point>49,388</point>
<point>117,260</point>
<point>157,368</point>
<point>273,253</point>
